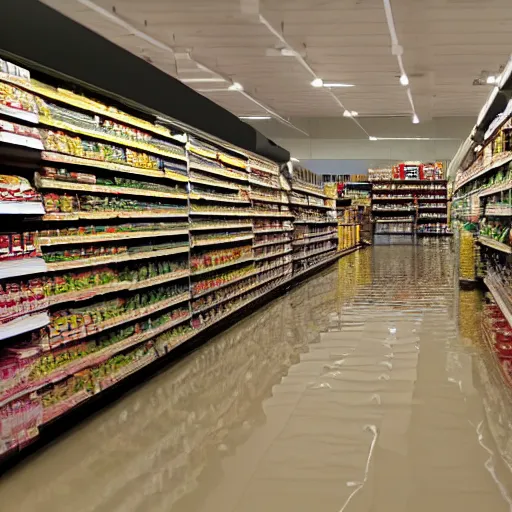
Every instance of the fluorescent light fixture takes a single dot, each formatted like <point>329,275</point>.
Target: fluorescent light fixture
<point>404,80</point>
<point>350,113</point>
<point>235,86</point>
<point>200,80</point>
<point>255,118</point>
<point>354,113</point>
<point>491,80</point>
<point>328,85</point>
<point>415,119</point>
<point>294,159</point>
<point>317,82</point>
<point>373,138</point>
<point>411,138</point>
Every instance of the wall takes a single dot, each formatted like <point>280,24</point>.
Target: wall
<point>337,145</point>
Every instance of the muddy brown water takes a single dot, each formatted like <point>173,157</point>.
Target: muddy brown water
<point>365,389</point>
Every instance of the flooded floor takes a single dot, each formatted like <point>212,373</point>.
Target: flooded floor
<point>363,390</point>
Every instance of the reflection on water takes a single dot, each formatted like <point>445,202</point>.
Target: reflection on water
<point>357,391</point>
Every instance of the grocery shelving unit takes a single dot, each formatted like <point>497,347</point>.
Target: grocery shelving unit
<point>315,238</point>
<point>410,207</point>
<point>123,239</point>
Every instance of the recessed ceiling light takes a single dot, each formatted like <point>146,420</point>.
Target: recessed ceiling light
<point>415,119</point>
<point>372,138</point>
<point>317,82</point>
<point>350,113</point>
<point>235,86</point>
<point>255,118</point>
<point>328,85</point>
<point>404,80</point>
<point>354,113</point>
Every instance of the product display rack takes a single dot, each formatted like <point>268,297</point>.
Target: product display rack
<point>410,207</point>
<point>315,236</point>
<point>124,239</point>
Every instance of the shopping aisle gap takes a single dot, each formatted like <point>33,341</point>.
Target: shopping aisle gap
<point>354,392</point>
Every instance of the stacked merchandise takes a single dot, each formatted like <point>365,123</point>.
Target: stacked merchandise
<point>413,201</point>
<point>272,221</point>
<point>314,235</point>
<point>121,240</point>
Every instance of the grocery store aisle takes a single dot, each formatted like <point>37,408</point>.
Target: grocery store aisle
<point>355,392</point>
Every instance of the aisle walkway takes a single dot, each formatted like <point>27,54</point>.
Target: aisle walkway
<point>353,393</point>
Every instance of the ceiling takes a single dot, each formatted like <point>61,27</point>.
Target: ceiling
<point>446,45</point>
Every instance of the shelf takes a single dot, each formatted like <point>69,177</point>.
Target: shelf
<point>298,203</point>
<point>272,230</point>
<point>209,197</point>
<point>263,184</point>
<point>326,260</point>
<point>432,233</point>
<point>213,183</point>
<point>432,219</point>
<point>115,287</point>
<point>237,308</point>
<point>306,190</point>
<point>308,241</point>
<point>218,267</point>
<point>392,199</point>
<point>272,242</point>
<point>92,329</point>
<point>219,171</point>
<point>22,324</point>
<point>240,292</point>
<point>333,221</point>
<point>22,267</point>
<point>104,136</point>
<point>201,243</point>
<point>21,208</point>
<point>218,226</point>
<point>298,256</point>
<point>220,213</point>
<point>93,359</point>
<point>21,140</point>
<point>496,161</point>
<point>106,237</point>
<point>223,285</point>
<point>504,211</point>
<point>76,101</point>
<point>84,187</point>
<point>175,176</point>
<point>266,199</point>
<point>500,300</point>
<point>503,187</point>
<point>272,255</point>
<point>409,212</point>
<point>404,221</point>
<point>273,214</point>
<point>99,215</point>
<point>118,258</point>
<point>17,113</point>
<point>59,158</point>
<point>494,244</point>
<point>321,206</point>
<point>315,235</point>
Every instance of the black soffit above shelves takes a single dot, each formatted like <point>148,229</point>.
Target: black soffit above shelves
<point>43,39</point>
